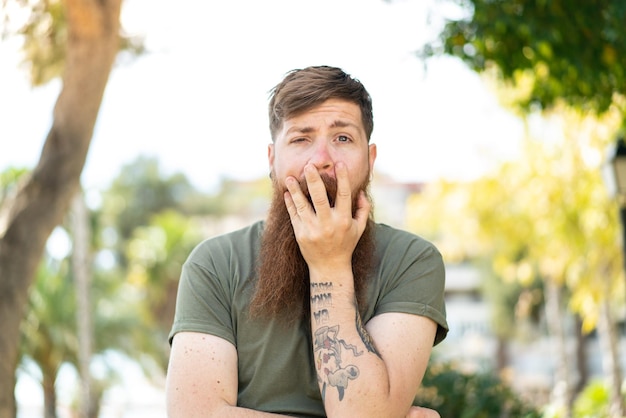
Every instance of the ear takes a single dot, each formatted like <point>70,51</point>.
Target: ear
<point>270,156</point>
<point>372,156</point>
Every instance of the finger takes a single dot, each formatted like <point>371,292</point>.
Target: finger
<point>317,190</point>
<point>419,412</point>
<point>427,413</point>
<point>362,211</point>
<point>297,204</point>
<point>343,200</point>
<point>291,207</point>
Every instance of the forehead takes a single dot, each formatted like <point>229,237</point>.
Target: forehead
<point>332,113</point>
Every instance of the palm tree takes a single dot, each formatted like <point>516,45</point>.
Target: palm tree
<point>48,330</point>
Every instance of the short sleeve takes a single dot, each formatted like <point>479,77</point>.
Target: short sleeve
<point>411,278</point>
<point>203,302</point>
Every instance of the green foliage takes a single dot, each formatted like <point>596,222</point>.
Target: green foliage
<point>117,309</point>
<point>545,216</point>
<point>248,199</point>
<point>158,249</point>
<point>49,327</point>
<point>155,254</point>
<point>568,49</point>
<point>512,304</point>
<point>9,179</point>
<point>457,394</point>
<point>49,336</point>
<point>44,41</point>
<point>44,32</point>
<point>142,190</point>
<point>151,221</point>
<point>593,401</point>
<point>139,299</point>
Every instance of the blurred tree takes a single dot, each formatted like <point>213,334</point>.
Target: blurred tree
<point>514,311</point>
<point>82,273</point>
<point>593,401</point>
<point>9,180</point>
<point>43,26</point>
<point>454,393</point>
<point>555,51</point>
<point>155,254</point>
<point>549,55</point>
<point>91,35</point>
<point>546,216</point>
<point>247,199</point>
<point>140,191</point>
<point>151,221</point>
<point>48,330</point>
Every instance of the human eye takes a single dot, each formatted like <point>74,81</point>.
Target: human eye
<point>343,138</point>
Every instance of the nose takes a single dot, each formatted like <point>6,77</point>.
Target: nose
<point>321,157</point>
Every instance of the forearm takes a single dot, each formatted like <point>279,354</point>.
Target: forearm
<point>353,378</point>
<point>237,412</point>
<point>186,410</point>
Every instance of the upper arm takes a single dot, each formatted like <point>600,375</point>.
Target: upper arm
<point>404,342</point>
<point>201,376</point>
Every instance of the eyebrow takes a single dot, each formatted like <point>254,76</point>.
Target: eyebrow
<point>343,124</point>
<point>300,130</point>
<point>336,124</point>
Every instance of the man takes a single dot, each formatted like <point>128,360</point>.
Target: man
<point>318,311</point>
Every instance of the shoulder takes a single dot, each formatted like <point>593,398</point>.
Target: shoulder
<point>243,242</point>
<point>409,278</point>
<point>390,240</point>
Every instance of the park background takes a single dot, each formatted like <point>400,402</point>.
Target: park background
<point>512,194</point>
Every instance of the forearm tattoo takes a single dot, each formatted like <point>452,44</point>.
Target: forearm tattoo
<point>365,336</point>
<point>321,300</point>
<point>330,351</point>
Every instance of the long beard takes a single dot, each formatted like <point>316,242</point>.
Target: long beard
<point>282,288</point>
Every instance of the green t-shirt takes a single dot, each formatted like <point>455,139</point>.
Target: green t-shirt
<point>275,363</point>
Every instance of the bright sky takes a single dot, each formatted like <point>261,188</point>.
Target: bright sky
<point>198,99</point>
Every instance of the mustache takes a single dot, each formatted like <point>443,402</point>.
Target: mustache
<point>330,184</point>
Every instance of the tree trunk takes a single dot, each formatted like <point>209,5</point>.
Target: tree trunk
<point>40,203</point>
<point>82,280</point>
<point>562,393</point>
<point>502,354</point>
<point>581,358</point>
<point>610,360</point>
<point>49,395</point>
